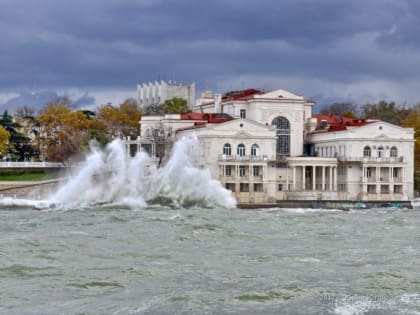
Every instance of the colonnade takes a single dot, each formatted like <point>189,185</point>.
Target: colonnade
<point>326,181</point>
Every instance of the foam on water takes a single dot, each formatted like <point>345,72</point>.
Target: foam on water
<point>109,177</point>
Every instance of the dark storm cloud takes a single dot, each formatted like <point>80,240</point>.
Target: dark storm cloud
<point>103,43</point>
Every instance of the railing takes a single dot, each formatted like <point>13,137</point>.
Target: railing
<point>238,158</point>
<point>31,165</point>
<point>371,159</point>
<point>373,179</point>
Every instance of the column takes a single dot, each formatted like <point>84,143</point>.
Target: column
<point>287,179</point>
<point>323,178</point>
<point>294,178</point>
<point>330,175</point>
<point>363,174</point>
<point>335,178</point>
<point>313,177</point>
<point>303,177</point>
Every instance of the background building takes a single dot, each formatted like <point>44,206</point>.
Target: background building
<point>156,93</point>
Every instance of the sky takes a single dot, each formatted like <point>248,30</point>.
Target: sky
<point>97,51</point>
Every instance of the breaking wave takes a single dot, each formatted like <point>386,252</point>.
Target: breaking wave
<point>108,176</point>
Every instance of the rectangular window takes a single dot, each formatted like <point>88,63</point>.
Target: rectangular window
<point>230,186</point>
<point>228,170</point>
<point>371,189</point>
<point>258,187</point>
<point>280,187</point>
<point>342,187</point>
<point>397,189</point>
<point>395,172</point>
<point>256,170</point>
<point>368,173</point>
<point>243,113</point>
<point>241,171</point>
<point>244,187</point>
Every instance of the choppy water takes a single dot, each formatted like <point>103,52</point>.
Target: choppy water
<point>156,260</point>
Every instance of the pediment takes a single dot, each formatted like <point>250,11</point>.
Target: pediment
<point>243,134</point>
<point>280,94</point>
<point>383,136</point>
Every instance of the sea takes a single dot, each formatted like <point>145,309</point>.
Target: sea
<point>113,241</point>
<point>164,260</point>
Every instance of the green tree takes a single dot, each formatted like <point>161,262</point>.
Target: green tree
<point>175,105</point>
<point>386,111</point>
<point>342,109</point>
<point>413,121</point>
<point>18,143</point>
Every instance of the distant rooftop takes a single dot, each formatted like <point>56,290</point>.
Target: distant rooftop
<point>329,123</point>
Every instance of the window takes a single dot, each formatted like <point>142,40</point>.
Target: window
<point>256,170</point>
<point>241,171</point>
<point>241,150</point>
<point>243,113</point>
<point>393,152</point>
<point>254,150</point>
<point>342,187</point>
<point>371,189</point>
<point>380,152</point>
<point>367,151</point>
<point>227,150</point>
<point>230,186</point>
<point>228,170</point>
<point>280,187</point>
<point>395,172</point>
<point>341,170</point>
<point>258,187</point>
<point>283,135</point>
<point>244,187</point>
<point>368,172</point>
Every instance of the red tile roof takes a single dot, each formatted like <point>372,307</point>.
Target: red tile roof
<point>337,123</point>
<point>241,95</point>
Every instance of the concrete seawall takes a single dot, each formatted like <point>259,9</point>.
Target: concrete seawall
<point>331,204</point>
<point>29,189</point>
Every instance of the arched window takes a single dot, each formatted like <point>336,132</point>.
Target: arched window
<point>283,135</point>
<point>241,150</point>
<point>227,150</point>
<point>380,152</point>
<point>255,150</point>
<point>367,152</point>
<point>393,152</point>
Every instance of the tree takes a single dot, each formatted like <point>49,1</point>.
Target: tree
<point>63,132</point>
<point>413,121</point>
<point>175,105</point>
<point>341,109</point>
<point>25,112</point>
<point>386,111</point>
<point>122,120</point>
<point>4,140</point>
<point>18,143</point>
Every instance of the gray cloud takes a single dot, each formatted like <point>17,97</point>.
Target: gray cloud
<point>50,44</point>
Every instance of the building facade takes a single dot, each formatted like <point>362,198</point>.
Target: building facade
<point>267,146</point>
<point>156,93</point>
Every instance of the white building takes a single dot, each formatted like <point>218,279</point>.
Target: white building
<point>156,93</point>
<point>271,148</point>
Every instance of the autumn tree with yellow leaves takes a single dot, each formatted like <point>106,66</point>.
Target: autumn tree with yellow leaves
<point>4,140</point>
<point>65,132</point>
<point>122,120</point>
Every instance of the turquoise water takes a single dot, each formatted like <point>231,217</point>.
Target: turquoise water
<point>159,260</point>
